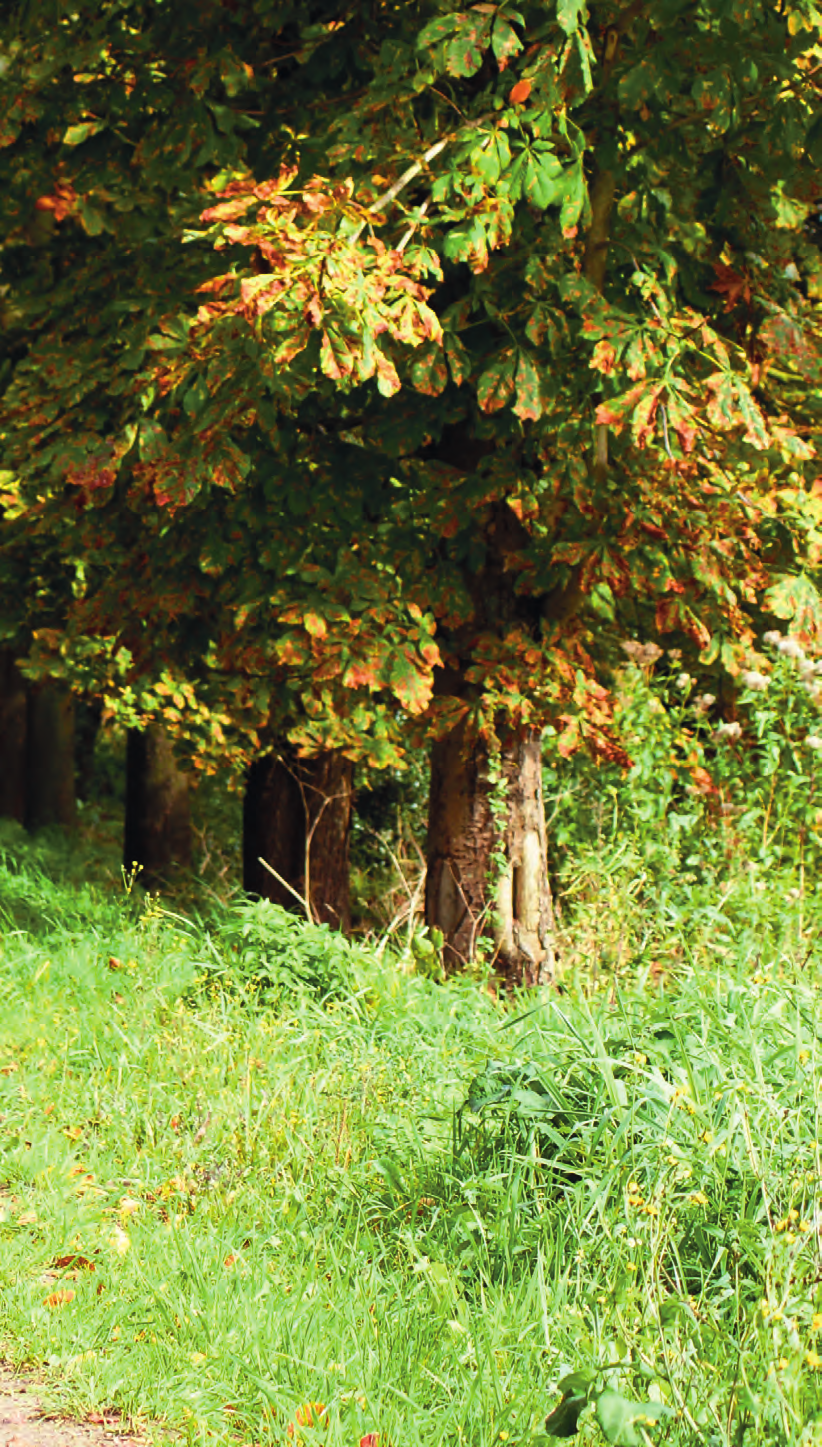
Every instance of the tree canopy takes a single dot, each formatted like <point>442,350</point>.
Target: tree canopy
<point>377,367</point>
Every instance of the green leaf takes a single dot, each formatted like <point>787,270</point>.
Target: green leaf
<point>574,194</point>
<point>542,178</point>
<point>569,13</point>
<point>463,54</point>
<point>564,1420</point>
<point>429,373</point>
<point>528,405</point>
<point>75,135</point>
<point>621,1419</point>
<point>504,40</point>
<point>438,30</point>
<point>496,385</point>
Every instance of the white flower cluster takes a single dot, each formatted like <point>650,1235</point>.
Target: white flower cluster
<point>790,648</point>
<point>729,730</point>
<point>757,682</point>
<point>644,655</point>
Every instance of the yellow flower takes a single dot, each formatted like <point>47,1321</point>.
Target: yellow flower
<point>816,1322</point>
<point>813,1359</point>
<point>698,1198</point>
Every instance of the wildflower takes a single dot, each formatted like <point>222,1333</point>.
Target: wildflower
<point>773,637</point>
<point>813,1359</point>
<point>684,681</point>
<point>789,648</point>
<point>814,741</point>
<point>698,1198</point>
<point>704,702</point>
<point>754,680</point>
<point>816,1321</point>
<point>729,730</point>
<point>642,654</point>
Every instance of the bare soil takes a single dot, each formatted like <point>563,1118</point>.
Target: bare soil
<point>25,1422</point>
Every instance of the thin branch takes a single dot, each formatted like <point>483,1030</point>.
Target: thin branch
<point>285,884</point>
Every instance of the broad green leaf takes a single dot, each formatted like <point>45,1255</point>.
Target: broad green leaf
<point>569,14</point>
<point>438,29</point>
<point>574,195</point>
<point>564,1420</point>
<point>504,40</point>
<point>464,52</point>
<point>542,178</point>
<point>459,360</point>
<point>638,85</point>
<point>621,1420</point>
<point>429,373</point>
<point>528,405</point>
<point>496,385</point>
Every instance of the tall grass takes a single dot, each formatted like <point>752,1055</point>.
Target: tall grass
<point>248,1168</point>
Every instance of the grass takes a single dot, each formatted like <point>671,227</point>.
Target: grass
<point>247,1168</point>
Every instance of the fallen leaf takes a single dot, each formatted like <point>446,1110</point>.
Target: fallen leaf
<point>59,1298</point>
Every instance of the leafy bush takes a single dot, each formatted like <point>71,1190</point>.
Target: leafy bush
<point>269,952</point>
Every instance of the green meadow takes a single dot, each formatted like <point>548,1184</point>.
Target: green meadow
<point>260,1184</point>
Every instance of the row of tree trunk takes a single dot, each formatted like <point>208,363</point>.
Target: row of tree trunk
<point>487,871</point>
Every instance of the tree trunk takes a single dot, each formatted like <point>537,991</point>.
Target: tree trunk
<point>158,821</point>
<point>12,739</point>
<point>297,817</point>
<point>88,715</point>
<point>462,898</point>
<point>49,772</point>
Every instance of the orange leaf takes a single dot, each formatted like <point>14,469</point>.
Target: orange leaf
<point>59,1298</point>
<point>519,92</point>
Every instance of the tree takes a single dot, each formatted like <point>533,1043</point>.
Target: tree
<point>533,308</point>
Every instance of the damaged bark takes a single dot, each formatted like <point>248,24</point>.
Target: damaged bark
<point>463,898</point>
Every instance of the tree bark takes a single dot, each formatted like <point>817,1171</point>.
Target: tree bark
<point>157,832</point>
<point>12,739</point>
<point>462,897</point>
<point>297,817</point>
<point>49,771</point>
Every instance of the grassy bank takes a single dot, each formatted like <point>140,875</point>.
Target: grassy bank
<point>247,1168</point>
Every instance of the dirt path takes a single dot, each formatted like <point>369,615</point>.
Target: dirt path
<point>24,1421</point>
